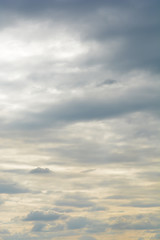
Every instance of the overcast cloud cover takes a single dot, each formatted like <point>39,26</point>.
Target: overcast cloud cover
<point>79,119</point>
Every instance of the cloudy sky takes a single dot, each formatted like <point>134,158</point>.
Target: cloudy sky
<point>79,119</point>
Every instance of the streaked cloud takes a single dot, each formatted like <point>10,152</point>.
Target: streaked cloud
<point>79,114</point>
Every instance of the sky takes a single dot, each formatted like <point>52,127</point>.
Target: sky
<point>79,119</point>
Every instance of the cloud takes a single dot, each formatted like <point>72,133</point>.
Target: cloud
<point>1,201</point>
<point>56,228</point>
<point>79,87</point>
<point>4,231</point>
<point>77,223</point>
<point>143,204</point>
<point>87,238</point>
<point>139,222</point>
<point>97,209</point>
<point>96,227</point>
<point>20,236</point>
<point>12,188</point>
<point>118,197</point>
<point>107,82</point>
<point>39,170</point>
<point>75,200</point>
<point>89,108</point>
<point>90,226</point>
<point>42,216</point>
<point>38,227</point>
<point>157,236</point>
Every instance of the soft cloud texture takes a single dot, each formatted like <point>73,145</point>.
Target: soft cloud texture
<point>79,114</point>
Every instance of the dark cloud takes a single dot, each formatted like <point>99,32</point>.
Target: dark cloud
<point>133,25</point>
<point>39,170</point>
<point>80,6</point>
<point>42,216</point>
<point>106,82</point>
<point>62,108</point>
<point>89,108</point>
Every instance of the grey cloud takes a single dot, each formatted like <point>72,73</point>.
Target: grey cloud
<point>97,209</point>
<point>153,176</point>
<point>77,200</point>
<point>142,204</point>
<point>39,170</point>
<point>157,236</point>
<point>90,226</point>
<point>69,112</point>
<point>77,223</point>
<point>136,31</point>
<point>1,201</point>
<point>15,171</point>
<point>106,82</point>
<point>130,23</point>
<point>21,236</point>
<point>88,108</point>
<point>74,203</point>
<point>4,231</point>
<point>38,227</point>
<point>29,7</point>
<point>12,188</point>
<point>56,228</point>
<point>62,210</point>
<point>134,226</point>
<point>138,222</point>
<point>42,216</point>
<point>87,238</point>
<point>118,197</point>
<point>61,11</point>
<point>96,227</point>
